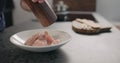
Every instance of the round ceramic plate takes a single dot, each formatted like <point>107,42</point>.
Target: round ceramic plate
<point>19,39</point>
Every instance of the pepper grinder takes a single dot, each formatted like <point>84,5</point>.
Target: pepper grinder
<point>43,11</point>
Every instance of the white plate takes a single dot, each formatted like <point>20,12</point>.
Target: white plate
<point>19,39</point>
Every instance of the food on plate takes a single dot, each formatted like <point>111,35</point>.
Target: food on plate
<point>88,26</point>
<point>40,39</point>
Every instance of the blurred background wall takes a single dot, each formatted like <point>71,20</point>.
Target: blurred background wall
<point>110,9</point>
<point>107,8</point>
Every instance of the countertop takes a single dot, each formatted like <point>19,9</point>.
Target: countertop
<point>100,48</point>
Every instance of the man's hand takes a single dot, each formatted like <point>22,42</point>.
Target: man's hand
<point>25,6</point>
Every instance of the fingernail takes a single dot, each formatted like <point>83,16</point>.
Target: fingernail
<point>34,0</point>
<point>41,1</point>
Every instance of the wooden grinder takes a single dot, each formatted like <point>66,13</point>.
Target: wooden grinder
<point>43,12</point>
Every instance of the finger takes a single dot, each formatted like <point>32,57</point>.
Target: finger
<point>41,1</point>
<point>34,0</point>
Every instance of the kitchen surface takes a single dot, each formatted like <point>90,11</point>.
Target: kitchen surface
<point>82,48</point>
<point>99,48</point>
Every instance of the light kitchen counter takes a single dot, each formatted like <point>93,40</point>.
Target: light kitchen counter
<point>100,48</point>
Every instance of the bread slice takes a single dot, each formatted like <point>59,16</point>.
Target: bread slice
<point>83,28</point>
<point>89,22</point>
<point>88,26</point>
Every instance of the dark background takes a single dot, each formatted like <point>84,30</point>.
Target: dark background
<point>8,12</point>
